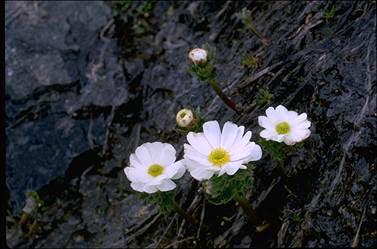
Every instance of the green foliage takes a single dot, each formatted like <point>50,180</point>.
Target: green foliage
<point>164,200</point>
<point>121,7</point>
<point>329,13</point>
<point>225,188</point>
<point>138,16</point>
<point>204,72</point>
<point>275,149</point>
<point>250,61</point>
<point>296,217</point>
<point>145,8</point>
<point>265,97</point>
<point>245,16</point>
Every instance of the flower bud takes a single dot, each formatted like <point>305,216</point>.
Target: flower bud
<point>185,118</point>
<point>198,56</point>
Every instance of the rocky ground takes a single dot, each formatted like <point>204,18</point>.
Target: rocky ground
<point>87,82</point>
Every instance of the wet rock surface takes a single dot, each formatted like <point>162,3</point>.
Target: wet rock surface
<point>87,82</point>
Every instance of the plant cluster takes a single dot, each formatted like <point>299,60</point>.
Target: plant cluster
<point>220,158</point>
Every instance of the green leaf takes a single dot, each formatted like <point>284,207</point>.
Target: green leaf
<point>224,188</point>
<point>275,149</point>
<point>164,200</point>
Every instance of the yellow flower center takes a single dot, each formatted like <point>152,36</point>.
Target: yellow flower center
<point>155,170</point>
<point>283,128</point>
<point>219,157</point>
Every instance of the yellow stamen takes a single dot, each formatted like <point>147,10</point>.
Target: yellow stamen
<point>155,170</point>
<point>219,157</point>
<point>283,128</point>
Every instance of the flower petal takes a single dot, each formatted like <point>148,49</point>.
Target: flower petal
<point>303,125</point>
<point>137,186</point>
<point>143,155</point>
<point>202,174</point>
<point>256,152</point>
<point>192,154</point>
<point>199,142</point>
<point>167,155</point>
<point>270,112</point>
<point>150,189</point>
<point>267,134</point>
<point>240,144</point>
<point>232,167</point>
<point>166,185</point>
<point>212,132</point>
<point>176,170</point>
<point>296,136</point>
<point>300,118</point>
<point>135,174</point>
<point>228,135</point>
<point>264,122</point>
<point>154,149</point>
<point>134,162</point>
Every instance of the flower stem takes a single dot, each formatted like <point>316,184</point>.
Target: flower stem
<point>280,167</point>
<point>184,214</point>
<point>222,95</point>
<point>248,209</point>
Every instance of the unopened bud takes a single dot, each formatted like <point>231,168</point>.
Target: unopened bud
<point>185,118</point>
<point>198,56</point>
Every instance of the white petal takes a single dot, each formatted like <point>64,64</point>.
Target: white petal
<point>197,157</point>
<point>242,153</point>
<point>256,152</point>
<point>199,142</point>
<point>212,132</point>
<point>300,118</point>
<point>190,164</point>
<point>137,186</point>
<point>143,155</point>
<point>150,189</point>
<point>270,112</point>
<point>241,130</point>
<point>134,161</point>
<point>240,144</point>
<point>282,109</point>
<point>292,116</point>
<point>303,125</point>
<point>232,168</point>
<point>202,174</point>
<point>267,134</point>
<point>278,138</point>
<point>228,135</point>
<point>154,149</point>
<point>166,185</point>
<point>133,174</point>
<point>264,122</point>
<point>296,136</point>
<point>176,170</point>
<point>167,155</point>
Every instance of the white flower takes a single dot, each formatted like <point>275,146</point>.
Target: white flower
<point>185,118</point>
<point>285,126</point>
<point>198,56</point>
<point>152,167</point>
<point>213,151</point>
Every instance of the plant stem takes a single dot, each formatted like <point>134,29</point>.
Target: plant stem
<point>184,214</point>
<point>280,167</point>
<point>265,41</point>
<point>248,209</point>
<point>222,95</point>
